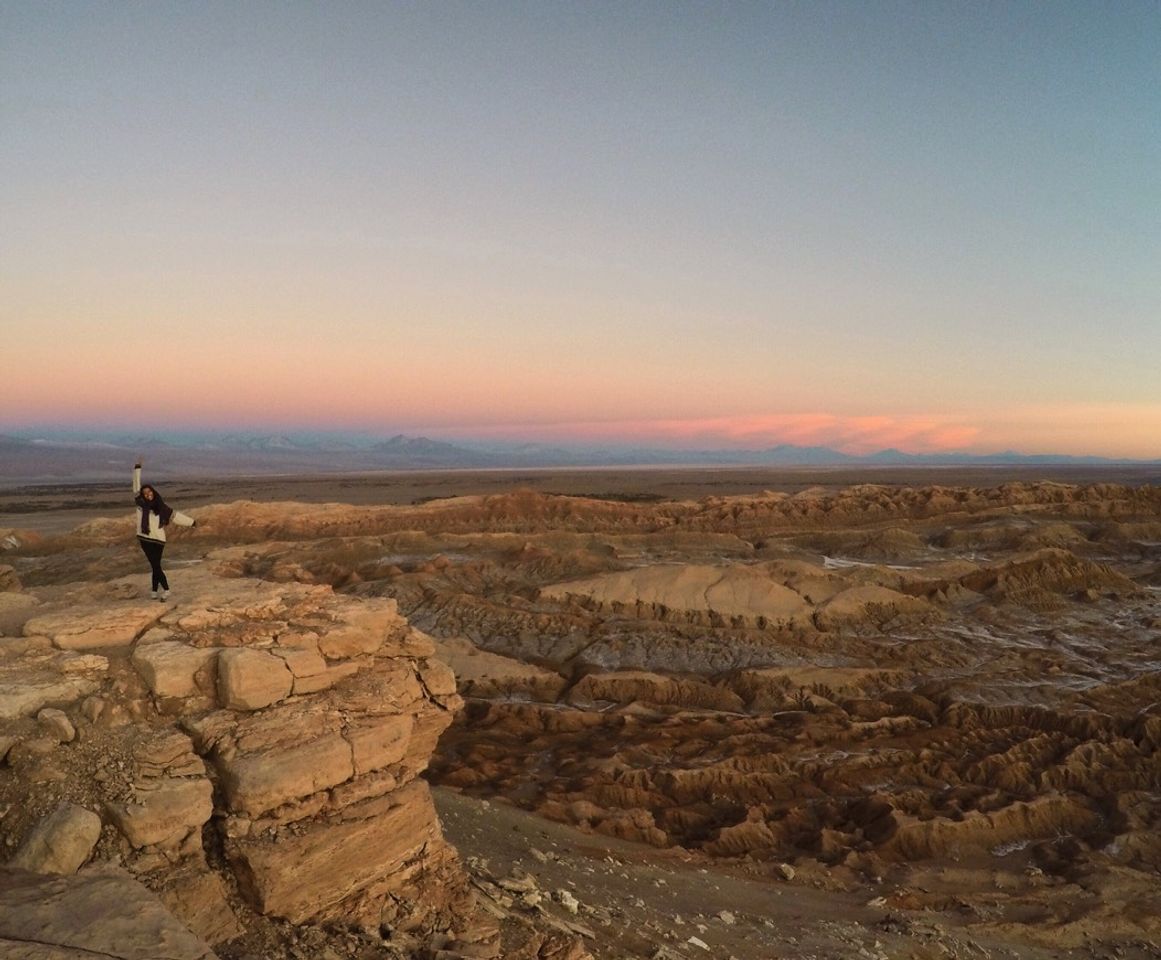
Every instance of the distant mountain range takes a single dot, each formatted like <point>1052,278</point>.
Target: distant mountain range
<point>69,457</point>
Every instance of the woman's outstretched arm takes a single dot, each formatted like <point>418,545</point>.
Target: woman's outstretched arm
<point>136,478</point>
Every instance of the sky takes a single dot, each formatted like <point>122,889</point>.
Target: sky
<point>931,226</point>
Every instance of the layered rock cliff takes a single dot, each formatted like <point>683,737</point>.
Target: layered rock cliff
<point>249,751</point>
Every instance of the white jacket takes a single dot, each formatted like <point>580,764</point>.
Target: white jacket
<point>156,530</point>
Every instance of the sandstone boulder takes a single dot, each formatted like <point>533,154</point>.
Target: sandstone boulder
<point>15,609</point>
<point>170,668</point>
<point>438,678</point>
<point>60,843</point>
<point>252,679</point>
<point>166,813</point>
<point>56,723</point>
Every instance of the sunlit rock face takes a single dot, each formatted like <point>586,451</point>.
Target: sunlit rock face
<point>247,748</point>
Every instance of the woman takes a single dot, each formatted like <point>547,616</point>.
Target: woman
<point>153,516</point>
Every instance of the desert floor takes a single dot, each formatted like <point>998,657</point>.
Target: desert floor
<point>749,713</point>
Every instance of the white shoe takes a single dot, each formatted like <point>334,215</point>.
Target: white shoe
<point>164,596</point>
<point>153,594</point>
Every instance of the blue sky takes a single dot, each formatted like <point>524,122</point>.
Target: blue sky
<point>926,225</point>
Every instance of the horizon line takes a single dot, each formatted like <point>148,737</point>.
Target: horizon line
<point>573,446</point>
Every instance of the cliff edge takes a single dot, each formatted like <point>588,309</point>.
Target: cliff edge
<point>248,751</point>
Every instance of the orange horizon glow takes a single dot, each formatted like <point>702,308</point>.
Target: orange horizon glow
<point>216,385</point>
<point>1126,432</point>
<point>848,434</point>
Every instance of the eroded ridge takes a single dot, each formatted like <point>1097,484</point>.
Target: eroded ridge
<point>885,681</point>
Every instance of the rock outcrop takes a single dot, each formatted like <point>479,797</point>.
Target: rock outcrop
<point>249,750</point>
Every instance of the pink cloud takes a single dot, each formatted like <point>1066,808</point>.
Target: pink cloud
<point>856,435</point>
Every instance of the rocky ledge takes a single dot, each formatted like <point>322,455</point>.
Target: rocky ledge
<point>250,752</point>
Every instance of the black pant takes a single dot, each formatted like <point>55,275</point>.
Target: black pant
<point>152,549</point>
